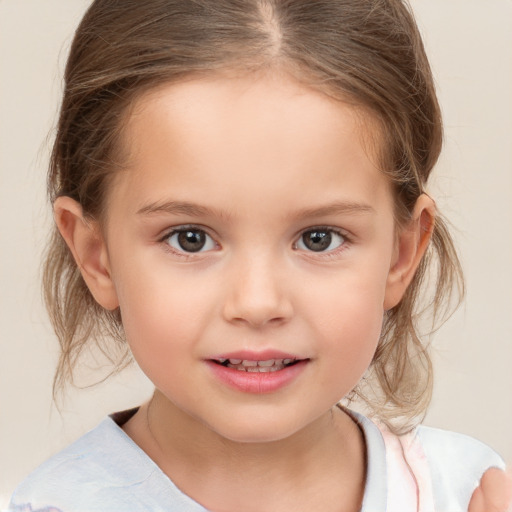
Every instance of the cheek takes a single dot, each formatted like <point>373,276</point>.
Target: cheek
<point>348,301</point>
<point>354,338</point>
<point>349,320</point>
<point>158,313</point>
<point>354,327</point>
<point>162,334</point>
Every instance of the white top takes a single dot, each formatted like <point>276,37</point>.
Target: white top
<point>105,471</point>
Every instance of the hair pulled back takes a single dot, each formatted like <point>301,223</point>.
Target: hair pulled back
<point>366,52</point>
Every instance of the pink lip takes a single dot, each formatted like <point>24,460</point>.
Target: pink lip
<point>251,355</point>
<point>257,383</point>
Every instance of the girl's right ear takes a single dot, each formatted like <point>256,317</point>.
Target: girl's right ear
<point>87,244</point>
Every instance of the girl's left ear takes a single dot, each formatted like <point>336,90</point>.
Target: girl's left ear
<point>411,245</point>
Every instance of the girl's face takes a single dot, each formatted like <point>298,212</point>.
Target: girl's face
<point>250,230</point>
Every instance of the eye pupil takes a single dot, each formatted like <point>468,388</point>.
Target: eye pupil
<point>191,241</point>
<point>317,240</point>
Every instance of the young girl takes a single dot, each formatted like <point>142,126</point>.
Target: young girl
<point>239,194</point>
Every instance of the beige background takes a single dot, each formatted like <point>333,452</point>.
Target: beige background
<point>470,44</point>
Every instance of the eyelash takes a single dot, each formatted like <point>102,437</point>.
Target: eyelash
<point>346,241</point>
<point>183,229</point>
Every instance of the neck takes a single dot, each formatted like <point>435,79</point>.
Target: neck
<point>323,462</point>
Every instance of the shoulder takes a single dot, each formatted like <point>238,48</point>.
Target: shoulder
<point>100,471</point>
<point>460,449</point>
<point>431,468</point>
<point>457,463</point>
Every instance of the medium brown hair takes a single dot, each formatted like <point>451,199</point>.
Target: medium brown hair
<point>367,52</point>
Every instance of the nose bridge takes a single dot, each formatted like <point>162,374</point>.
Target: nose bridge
<point>258,293</point>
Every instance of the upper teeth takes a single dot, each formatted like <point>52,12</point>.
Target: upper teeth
<point>249,362</point>
<point>258,366</point>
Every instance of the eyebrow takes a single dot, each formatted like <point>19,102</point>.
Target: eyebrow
<point>337,208</point>
<point>196,210</point>
<point>179,208</point>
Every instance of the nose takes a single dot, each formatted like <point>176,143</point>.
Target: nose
<point>258,293</point>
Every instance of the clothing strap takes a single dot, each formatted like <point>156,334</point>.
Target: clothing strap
<point>409,480</point>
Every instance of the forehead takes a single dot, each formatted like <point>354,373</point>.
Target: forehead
<point>223,132</point>
<point>276,96</point>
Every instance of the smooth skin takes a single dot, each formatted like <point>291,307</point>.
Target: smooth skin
<point>254,169</point>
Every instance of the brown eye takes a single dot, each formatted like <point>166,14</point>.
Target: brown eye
<point>190,240</point>
<point>320,240</point>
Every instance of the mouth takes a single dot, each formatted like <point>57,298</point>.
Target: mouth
<point>258,373</point>
<point>257,366</point>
